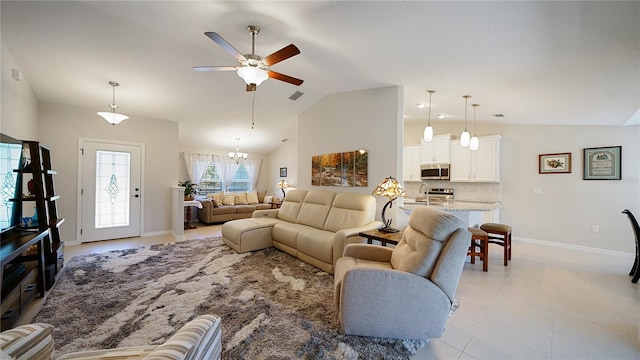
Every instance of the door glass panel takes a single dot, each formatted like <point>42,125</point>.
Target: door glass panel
<point>112,188</point>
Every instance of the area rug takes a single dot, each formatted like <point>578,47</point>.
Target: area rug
<point>272,305</point>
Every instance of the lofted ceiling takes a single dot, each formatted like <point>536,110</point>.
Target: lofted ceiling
<point>546,63</point>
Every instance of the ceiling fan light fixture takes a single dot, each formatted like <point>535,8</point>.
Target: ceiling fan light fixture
<point>113,117</point>
<point>252,75</point>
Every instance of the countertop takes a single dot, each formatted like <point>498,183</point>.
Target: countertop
<point>454,205</point>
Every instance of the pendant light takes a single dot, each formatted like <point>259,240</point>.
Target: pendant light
<point>474,142</point>
<point>428,131</point>
<point>112,117</point>
<point>465,137</point>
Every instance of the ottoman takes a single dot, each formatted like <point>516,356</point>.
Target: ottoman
<point>245,235</point>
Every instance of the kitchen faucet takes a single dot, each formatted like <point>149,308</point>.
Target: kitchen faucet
<point>426,191</point>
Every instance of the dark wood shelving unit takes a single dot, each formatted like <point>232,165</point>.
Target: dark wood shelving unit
<point>31,255</point>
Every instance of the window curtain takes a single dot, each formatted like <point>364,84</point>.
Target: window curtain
<point>253,169</point>
<point>227,169</point>
<point>196,165</point>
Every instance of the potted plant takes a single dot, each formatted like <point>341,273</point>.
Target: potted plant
<point>189,190</point>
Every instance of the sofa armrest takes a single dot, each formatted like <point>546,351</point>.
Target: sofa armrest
<point>391,303</point>
<point>269,213</point>
<point>205,214</point>
<point>347,236</point>
<point>199,339</point>
<point>19,342</point>
<point>368,252</point>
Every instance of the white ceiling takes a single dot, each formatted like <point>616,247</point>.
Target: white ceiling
<point>572,63</point>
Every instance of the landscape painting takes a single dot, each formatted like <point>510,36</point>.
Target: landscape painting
<point>315,170</point>
<point>346,169</point>
<point>361,165</point>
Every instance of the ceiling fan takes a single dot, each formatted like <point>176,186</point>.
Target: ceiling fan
<point>253,69</point>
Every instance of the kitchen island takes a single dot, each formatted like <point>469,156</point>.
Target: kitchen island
<point>473,213</point>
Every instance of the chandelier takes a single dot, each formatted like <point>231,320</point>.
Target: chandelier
<point>237,156</point>
<point>113,117</point>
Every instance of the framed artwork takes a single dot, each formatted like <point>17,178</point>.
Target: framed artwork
<point>346,169</point>
<point>559,163</point>
<point>602,163</point>
<point>283,172</point>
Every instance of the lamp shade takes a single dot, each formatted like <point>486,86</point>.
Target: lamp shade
<point>474,143</point>
<point>113,117</point>
<point>282,184</point>
<point>252,75</point>
<point>428,133</point>
<point>465,138</point>
<point>389,187</point>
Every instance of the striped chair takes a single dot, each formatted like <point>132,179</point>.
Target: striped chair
<point>199,339</point>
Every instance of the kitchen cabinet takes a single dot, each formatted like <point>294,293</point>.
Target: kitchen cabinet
<point>436,151</point>
<point>482,165</point>
<point>411,163</point>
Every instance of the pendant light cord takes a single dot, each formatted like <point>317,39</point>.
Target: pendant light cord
<point>253,110</point>
<point>429,118</point>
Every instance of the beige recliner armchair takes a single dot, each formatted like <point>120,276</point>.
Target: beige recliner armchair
<point>406,292</point>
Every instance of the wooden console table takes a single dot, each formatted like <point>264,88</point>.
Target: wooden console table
<point>188,205</point>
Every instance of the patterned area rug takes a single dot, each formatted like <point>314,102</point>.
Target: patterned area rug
<point>272,305</point>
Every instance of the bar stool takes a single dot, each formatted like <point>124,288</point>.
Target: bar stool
<point>479,239</point>
<point>499,234</point>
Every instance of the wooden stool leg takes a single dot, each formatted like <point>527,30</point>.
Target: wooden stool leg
<point>485,254</point>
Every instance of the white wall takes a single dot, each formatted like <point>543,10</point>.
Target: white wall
<point>367,119</point>
<point>568,206</point>
<point>19,113</point>
<point>285,156</point>
<point>60,127</point>
<point>263,178</point>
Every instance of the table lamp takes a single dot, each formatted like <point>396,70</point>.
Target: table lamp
<point>283,185</point>
<point>391,188</point>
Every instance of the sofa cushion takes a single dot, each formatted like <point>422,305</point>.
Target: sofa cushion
<point>317,243</point>
<point>315,208</point>
<point>228,198</point>
<point>252,197</point>
<point>241,199</point>
<point>222,210</point>
<point>287,233</point>
<point>243,209</point>
<point>422,241</point>
<point>27,342</point>
<point>217,196</point>
<point>291,207</point>
<point>350,210</point>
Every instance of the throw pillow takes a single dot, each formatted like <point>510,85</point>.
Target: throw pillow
<point>268,199</point>
<point>241,198</point>
<point>218,197</point>
<point>215,203</point>
<point>252,197</point>
<point>228,198</point>
<point>261,195</point>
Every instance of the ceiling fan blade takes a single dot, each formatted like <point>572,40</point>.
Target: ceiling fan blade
<point>282,54</point>
<point>225,45</point>
<point>285,78</point>
<point>251,87</point>
<point>214,68</point>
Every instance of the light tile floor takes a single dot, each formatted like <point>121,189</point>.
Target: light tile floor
<point>549,303</point>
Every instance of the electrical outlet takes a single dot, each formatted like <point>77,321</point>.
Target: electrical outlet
<point>595,228</point>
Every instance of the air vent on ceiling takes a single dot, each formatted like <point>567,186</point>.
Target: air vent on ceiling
<point>296,95</point>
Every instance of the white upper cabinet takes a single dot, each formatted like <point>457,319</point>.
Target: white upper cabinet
<point>436,151</point>
<point>411,163</point>
<point>482,165</point>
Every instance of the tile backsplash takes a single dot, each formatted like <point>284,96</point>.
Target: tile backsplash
<point>477,192</point>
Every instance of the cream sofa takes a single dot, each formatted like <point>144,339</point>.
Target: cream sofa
<point>314,226</point>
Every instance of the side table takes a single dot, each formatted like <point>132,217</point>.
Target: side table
<point>383,237</point>
<point>188,205</point>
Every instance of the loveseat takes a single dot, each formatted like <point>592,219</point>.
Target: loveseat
<point>216,208</point>
<point>314,226</point>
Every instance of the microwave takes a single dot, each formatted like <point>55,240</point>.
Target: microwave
<point>434,171</point>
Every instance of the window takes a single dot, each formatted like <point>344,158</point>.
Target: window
<point>211,182</point>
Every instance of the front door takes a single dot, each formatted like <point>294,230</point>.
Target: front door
<point>110,190</point>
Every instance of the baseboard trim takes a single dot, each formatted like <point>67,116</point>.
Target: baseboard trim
<point>157,233</point>
<point>621,254</point>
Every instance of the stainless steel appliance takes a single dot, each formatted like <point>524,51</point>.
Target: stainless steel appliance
<point>440,196</point>
<point>434,171</point>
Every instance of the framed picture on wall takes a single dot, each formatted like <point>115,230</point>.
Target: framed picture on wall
<point>554,163</point>
<point>283,172</point>
<point>602,163</point>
